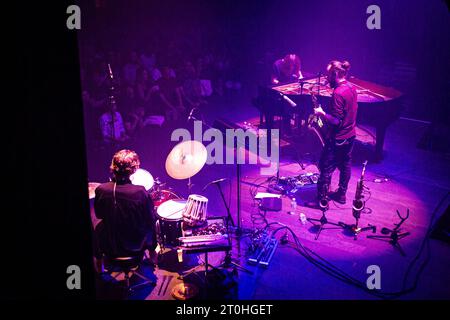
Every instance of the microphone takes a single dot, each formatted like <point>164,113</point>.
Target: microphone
<point>214,182</point>
<point>110,71</point>
<point>286,98</point>
<point>191,113</point>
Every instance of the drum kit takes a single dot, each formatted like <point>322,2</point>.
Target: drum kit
<point>174,214</point>
<point>176,218</point>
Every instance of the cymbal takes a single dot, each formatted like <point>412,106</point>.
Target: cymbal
<point>186,159</point>
<point>184,291</point>
<point>142,178</point>
<point>91,187</point>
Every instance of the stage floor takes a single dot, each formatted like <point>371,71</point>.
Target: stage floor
<point>416,180</point>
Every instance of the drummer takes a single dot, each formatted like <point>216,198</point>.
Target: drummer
<point>126,211</point>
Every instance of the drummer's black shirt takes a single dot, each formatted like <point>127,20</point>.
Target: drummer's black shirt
<point>127,223</point>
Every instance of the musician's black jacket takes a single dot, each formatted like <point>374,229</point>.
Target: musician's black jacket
<point>127,223</point>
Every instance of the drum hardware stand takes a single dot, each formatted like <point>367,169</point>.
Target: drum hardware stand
<point>191,117</point>
<point>202,264</point>
<point>229,261</point>
<point>394,235</point>
<point>189,185</point>
<point>323,204</point>
<point>206,265</point>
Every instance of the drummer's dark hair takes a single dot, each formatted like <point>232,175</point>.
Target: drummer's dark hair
<point>124,163</point>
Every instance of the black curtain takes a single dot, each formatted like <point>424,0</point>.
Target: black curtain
<point>47,226</point>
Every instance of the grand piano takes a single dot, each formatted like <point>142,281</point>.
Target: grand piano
<point>378,106</point>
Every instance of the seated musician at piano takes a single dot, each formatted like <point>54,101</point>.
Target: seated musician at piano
<point>340,120</point>
<point>286,69</point>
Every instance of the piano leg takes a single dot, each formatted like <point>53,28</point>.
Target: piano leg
<point>381,133</point>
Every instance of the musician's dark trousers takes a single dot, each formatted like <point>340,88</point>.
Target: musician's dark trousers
<point>335,154</point>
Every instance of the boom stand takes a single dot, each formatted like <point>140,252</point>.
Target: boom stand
<point>323,203</point>
<point>395,234</point>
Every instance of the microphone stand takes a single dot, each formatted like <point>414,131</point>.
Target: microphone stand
<point>238,230</point>
<point>189,184</point>
<point>111,102</point>
<point>228,260</point>
<point>229,218</point>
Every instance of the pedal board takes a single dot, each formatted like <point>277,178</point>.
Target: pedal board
<point>267,254</point>
<point>291,185</point>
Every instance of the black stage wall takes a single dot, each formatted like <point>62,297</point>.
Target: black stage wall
<point>47,225</point>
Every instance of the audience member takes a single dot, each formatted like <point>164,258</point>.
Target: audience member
<point>148,61</point>
<point>170,94</point>
<point>112,126</point>
<point>134,121</point>
<point>130,69</point>
<point>145,90</point>
<point>191,86</point>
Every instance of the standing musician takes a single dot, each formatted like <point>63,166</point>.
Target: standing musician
<point>341,120</point>
<point>126,211</point>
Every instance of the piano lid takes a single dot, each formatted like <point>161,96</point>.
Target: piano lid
<point>368,92</point>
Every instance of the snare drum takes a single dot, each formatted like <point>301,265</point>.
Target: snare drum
<point>161,196</point>
<point>194,214</point>
<point>169,223</point>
